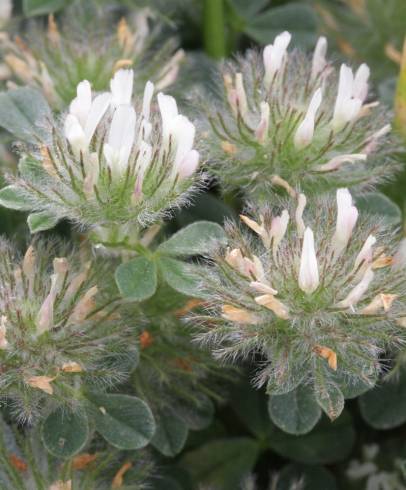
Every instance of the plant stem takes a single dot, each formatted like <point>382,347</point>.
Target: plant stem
<point>214,34</point>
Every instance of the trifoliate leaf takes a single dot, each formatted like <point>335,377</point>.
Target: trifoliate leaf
<point>222,463</point>
<point>294,17</point>
<point>41,221</point>
<point>23,112</point>
<point>329,397</point>
<point>327,443</point>
<point>384,407</point>
<point>170,435</point>
<point>198,414</point>
<point>296,412</point>
<point>124,421</point>
<point>65,433</point>
<point>313,478</point>
<point>137,279</point>
<point>195,239</point>
<point>12,197</point>
<point>182,277</point>
<point>380,205</point>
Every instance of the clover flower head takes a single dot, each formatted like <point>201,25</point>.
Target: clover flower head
<point>57,60</point>
<point>111,166</point>
<point>57,332</point>
<point>284,120</point>
<point>316,293</point>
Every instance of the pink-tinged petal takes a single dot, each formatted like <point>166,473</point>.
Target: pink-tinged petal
<point>241,95</point>
<point>99,107</point>
<point>358,292</point>
<point>278,229</point>
<point>309,270</point>
<point>299,215</point>
<point>146,101</point>
<point>262,130</point>
<point>189,164</point>
<point>169,110</point>
<point>274,56</point>
<point>121,86</point>
<point>121,137</point>
<point>360,89</point>
<point>366,253</point>
<point>319,57</point>
<point>81,104</point>
<point>347,216</point>
<point>304,133</point>
<point>75,135</point>
<point>337,161</point>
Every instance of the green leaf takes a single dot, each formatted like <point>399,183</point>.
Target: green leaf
<point>378,204</point>
<point>294,17</point>
<point>384,407</point>
<point>23,111</point>
<point>222,463</point>
<point>250,406</point>
<point>350,388</point>
<point>124,421</point>
<point>170,435</point>
<point>328,442</point>
<point>313,478</point>
<point>198,414</point>
<point>13,197</point>
<point>296,412</point>
<point>247,10</point>
<point>195,239</point>
<point>182,277</point>
<point>137,279</point>
<point>330,398</point>
<point>42,7</point>
<point>65,433</point>
<point>41,221</point>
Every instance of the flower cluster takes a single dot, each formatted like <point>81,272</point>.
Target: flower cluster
<point>284,120</point>
<point>318,293</point>
<point>57,333</point>
<point>56,61</point>
<point>25,465</point>
<point>111,167</point>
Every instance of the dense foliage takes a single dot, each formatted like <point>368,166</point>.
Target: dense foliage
<point>203,251</point>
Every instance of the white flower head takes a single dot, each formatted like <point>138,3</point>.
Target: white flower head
<point>309,270</point>
<point>347,215</point>
<point>274,56</point>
